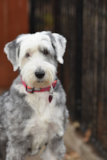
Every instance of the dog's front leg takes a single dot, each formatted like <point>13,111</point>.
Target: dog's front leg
<point>15,151</point>
<point>55,150</point>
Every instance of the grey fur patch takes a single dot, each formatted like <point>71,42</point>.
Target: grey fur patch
<point>52,38</point>
<point>14,113</point>
<point>56,148</point>
<point>12,50</point>
<point>52,41</point>
<point>61,101</point>
<point>58,88</point>
<point>60,41</point>
<point>59,45</point>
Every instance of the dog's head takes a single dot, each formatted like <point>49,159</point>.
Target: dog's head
<point>36,55</point>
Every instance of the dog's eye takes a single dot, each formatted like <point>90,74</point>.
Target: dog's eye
<point>45,52</point>
<point>27,55</point>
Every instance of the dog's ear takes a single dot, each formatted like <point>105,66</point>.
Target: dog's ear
<point>12,51</point>
<point>59,43</point>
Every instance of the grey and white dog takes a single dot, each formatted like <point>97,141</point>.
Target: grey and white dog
<point>33,113</point>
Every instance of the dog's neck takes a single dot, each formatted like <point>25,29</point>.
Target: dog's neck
<point>31,90</point>
<point>49,89</point>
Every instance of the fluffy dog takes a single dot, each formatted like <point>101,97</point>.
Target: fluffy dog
<point>33,112</point>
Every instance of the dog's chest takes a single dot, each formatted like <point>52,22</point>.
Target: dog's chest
<point>45,122</point>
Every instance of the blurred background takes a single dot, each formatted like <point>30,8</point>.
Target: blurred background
<point>84,73</point>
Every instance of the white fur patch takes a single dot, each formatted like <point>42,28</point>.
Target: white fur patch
<point>46,121</point>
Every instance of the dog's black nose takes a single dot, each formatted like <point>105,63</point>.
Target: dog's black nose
<point>39,74</point>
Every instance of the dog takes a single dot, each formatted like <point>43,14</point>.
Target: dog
<point>33,112</point>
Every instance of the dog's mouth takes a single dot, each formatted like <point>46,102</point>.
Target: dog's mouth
<point>40,81</point>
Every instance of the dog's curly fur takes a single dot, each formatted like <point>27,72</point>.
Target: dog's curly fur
<point>28,121</point>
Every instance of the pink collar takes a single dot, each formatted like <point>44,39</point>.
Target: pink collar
<point>31,90</point>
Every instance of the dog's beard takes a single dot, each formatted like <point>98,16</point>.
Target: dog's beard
<point>28,76</point>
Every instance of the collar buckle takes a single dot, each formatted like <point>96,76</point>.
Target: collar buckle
<point>29,89</point>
